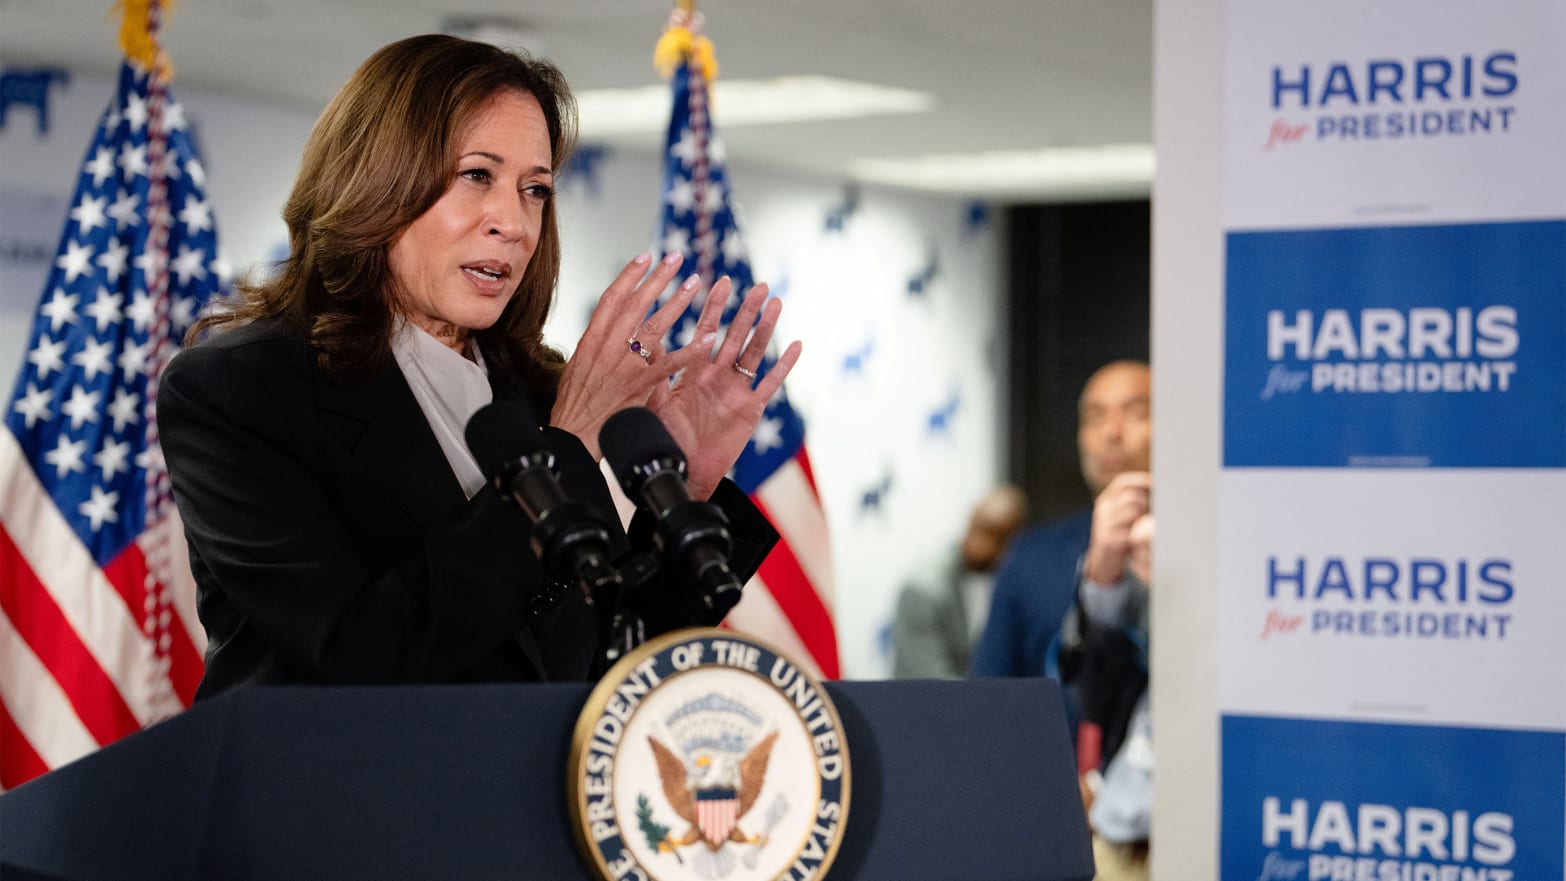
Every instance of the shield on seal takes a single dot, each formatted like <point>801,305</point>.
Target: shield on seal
<point>717,809</point>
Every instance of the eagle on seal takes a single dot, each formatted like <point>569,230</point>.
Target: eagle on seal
<point>712,793</point>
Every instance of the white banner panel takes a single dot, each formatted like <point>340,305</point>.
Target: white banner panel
<point>1417,596</point>
<point>1345,113</point>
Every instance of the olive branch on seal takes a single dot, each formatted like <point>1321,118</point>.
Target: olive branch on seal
<point>656,832</point>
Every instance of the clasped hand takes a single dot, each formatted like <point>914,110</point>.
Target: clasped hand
<point>1124,502</point>
<point>710,407</point>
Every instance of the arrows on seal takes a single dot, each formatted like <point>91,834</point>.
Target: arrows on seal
<point>775,813</point>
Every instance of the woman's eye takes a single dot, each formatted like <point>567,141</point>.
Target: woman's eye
<point>540,191</point>
<point>478,175</point>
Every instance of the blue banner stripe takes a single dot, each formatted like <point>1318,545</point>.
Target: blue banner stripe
<point>1434,346</point>
<point>1307,795</point>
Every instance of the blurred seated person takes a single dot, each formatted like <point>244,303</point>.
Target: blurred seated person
<point>939,616</point>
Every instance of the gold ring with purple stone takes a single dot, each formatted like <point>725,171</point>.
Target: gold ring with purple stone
<point>639,350</point>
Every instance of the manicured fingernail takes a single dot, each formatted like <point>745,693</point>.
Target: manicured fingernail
<point>672,259</point>
<point>691,283</point>
<point>643,258</point>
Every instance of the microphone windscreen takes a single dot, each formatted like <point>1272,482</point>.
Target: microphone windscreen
<point>634,437</point>
<point>502,432</point>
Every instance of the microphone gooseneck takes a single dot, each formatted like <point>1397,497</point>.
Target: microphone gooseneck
<point>570,542</point>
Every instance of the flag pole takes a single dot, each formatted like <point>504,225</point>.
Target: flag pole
<point>141,36</point>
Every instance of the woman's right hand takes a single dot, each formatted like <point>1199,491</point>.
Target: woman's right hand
<point>604,376</point>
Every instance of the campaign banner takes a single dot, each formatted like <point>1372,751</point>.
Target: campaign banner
<point>1392,574</point>
<point>1345,114</point>
<point>1394,595</point>
<point>1440,346</point>
<point>1353,801</point>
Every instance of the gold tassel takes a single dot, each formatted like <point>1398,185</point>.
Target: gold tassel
<point>672,50</point>
<point>706,59</point>
<point>679,45</point>
<point>136,39</point>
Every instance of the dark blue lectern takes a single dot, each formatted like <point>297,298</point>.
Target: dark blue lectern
<point>951,780</point>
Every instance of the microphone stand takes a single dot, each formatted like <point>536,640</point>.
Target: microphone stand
<point>626,630</point>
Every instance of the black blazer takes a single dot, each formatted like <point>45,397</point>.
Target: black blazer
<point>331,542</point>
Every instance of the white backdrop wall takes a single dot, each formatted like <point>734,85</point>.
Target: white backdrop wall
<point>896,297</point>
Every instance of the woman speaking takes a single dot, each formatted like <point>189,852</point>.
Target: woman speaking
<point>339,529</point>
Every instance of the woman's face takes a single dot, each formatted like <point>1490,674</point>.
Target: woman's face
<point>459,263</point>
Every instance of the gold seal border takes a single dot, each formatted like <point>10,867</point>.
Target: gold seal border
<point>598,702</point>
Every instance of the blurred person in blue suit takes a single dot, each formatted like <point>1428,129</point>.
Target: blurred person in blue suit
<point>1037,581</point>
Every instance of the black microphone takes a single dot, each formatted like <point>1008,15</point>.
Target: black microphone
<point>569,540</point>
<point>692,537</point>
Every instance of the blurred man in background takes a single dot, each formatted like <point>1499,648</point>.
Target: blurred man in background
<point>1100,653</point>
<point>939,617</point>
<point>1037,582</point>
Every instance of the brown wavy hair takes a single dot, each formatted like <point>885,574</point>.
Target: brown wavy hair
<point>382,152</point>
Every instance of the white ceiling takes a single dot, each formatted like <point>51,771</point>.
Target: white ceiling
<point>1007,75</point>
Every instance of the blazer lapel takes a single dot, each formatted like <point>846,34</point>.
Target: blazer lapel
<point>535,404</point>
<point>398,447</point>
<point>396,444</point>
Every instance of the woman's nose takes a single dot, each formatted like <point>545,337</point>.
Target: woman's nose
<point>505,217</point>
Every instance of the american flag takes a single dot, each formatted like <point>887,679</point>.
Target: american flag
<point>789,602</point>
<point>98,633</point>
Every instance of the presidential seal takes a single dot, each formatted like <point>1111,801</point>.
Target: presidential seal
<point>706,754</point>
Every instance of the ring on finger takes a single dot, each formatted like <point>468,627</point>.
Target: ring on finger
<point>636,348</point>
<point>748,374</point>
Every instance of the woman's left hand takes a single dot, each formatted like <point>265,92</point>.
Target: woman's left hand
<point>713,407</point>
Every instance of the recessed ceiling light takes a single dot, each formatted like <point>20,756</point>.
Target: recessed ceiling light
<point>1065,172</point>
<point>607,113</point>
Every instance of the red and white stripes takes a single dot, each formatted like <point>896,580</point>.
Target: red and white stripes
<point>789,601</point>
<point>80,668</point>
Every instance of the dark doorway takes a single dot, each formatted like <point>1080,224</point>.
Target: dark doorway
<point>1078,299</point>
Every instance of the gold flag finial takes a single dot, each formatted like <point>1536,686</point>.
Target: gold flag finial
<point>682,43</point>
<point>140,34</point>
